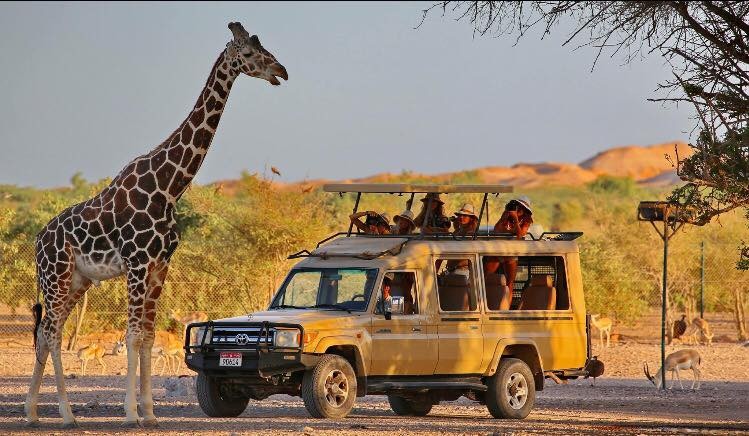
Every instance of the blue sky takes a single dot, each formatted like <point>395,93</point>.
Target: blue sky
<point>88,86</point>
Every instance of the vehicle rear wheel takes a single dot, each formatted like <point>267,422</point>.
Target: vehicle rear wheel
<point>215,405</point>
<point>329,389</point>
<point>409,406</point>
<point>511,391</point>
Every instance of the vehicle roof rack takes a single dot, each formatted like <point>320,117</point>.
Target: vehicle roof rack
<point>398,188</point>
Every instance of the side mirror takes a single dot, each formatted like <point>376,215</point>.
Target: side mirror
<point>396,306</point>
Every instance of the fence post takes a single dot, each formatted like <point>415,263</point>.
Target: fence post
<point>702,280</point>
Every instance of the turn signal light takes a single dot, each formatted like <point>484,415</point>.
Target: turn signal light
<point>309,337</point>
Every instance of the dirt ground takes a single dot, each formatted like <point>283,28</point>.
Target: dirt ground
<point>622,402</point>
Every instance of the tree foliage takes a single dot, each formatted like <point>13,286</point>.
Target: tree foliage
<point>706,43</point>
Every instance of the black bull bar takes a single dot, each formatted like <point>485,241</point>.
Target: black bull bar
<point>260,356</point>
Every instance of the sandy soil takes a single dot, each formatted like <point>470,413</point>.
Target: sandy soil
<point>622,402</point>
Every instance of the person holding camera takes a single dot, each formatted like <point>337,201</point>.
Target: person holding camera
<point>374,224</point>
<point>516,219</point>
<point>434,220</point>
<point>465,222</point>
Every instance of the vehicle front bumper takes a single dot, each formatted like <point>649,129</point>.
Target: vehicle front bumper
<point>259,357</point>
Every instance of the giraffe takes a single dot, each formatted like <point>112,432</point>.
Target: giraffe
<point>129,229</point>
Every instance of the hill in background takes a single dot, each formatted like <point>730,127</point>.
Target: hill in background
<point>647,165</point>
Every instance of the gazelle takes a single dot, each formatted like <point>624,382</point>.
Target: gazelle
<point>701,330</point>
<point>603,325</point>
<point>687,358</point>
<point>171,354</point>
<point>93,351</point>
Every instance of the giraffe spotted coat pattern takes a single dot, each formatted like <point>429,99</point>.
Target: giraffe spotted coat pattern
<point>130,229</point>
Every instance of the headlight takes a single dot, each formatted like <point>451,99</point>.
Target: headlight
<point>286,338</point>
<point>196,336</point>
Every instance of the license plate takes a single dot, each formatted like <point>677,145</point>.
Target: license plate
<point>230,359</point>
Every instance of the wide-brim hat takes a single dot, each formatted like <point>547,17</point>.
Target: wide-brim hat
<point>406,215</point>
<point>525,202</point>
<point>467,209</point>
<point>434,196</point>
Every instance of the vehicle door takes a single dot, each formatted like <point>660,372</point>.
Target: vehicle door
<point>459,322</point>
<point>401,345</point>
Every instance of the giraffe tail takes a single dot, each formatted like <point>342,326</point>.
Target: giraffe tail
<point>37,311</point>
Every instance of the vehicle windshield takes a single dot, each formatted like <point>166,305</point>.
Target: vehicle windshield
<point>327,288</point>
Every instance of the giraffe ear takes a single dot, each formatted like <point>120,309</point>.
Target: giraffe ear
<point>238,31</point>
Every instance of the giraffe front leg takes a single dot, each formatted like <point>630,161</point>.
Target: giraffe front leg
<point>154,282</point>
<point>32,398</point>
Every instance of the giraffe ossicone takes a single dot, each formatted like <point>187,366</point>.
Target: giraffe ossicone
<point>129,229</point>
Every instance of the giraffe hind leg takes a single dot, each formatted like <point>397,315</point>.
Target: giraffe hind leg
<point>32,398</point>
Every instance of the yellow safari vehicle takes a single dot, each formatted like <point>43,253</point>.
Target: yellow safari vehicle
<point>419,318</point>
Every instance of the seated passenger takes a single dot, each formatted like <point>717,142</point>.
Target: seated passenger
<point>404,223</point>
<point>516,219</point>
<point>465,221</point>
<point>375,224</point>
<point>383,300</point>
<point>434,220</point>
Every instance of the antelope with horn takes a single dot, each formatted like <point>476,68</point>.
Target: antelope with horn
<point>687,358</point>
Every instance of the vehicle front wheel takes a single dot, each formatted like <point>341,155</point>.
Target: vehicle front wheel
<point>329,389</point>
<point>212,402</point>
<point>409,406</point>
<point>511,391</point>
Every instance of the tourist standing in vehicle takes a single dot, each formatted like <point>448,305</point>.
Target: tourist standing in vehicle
<point>375,223</point>
<point>404,223</point>
<point>434,221</point>
<point>516,219</point>
<point>465,221</point>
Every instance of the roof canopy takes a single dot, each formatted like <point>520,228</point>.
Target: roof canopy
<point>394,188</point>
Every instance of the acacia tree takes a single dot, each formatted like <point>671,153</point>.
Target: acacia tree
<point>706,43</point>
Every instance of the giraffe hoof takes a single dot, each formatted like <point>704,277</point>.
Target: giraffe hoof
<point>151,423</point>
<point>131,424</point>
<point>69,425</point>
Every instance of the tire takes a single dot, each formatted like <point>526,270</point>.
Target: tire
<point>409,407</point>
<point>503,397</point>
<point>329,389</point>
<point>211,401</point>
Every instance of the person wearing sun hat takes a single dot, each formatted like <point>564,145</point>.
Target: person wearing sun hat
<point>375,224</point>
<point>516,220</point>
<point>404,223</point>
<point>437,222</point>
<point>465,221</point>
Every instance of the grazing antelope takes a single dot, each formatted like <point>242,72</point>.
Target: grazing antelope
<point>698,331</point>
<point>604,326</point>
<point>687,358</point>
<point>93,351</point>
<point>171,354</point>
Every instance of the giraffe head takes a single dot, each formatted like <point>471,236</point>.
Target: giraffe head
<point>245,55</point>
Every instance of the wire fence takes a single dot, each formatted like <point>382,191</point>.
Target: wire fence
<point>706,286</point>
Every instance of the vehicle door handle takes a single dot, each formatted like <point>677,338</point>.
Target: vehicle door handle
<point>383,331</point>
<point>416,329</point>
<point>474,327</point>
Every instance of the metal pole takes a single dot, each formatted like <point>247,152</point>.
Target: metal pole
<point>481,215</point>
<point>356,207</point>
<point>664,302</point>
<point>427,215</point>
<point>702,281</point>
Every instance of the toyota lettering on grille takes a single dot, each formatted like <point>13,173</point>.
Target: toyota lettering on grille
<point>242,339</point>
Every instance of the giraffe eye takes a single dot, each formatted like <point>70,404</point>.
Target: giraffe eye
<point>247,55</point>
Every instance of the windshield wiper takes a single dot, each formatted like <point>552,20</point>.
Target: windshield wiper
<point>331,306</point>
<point>287,306</point>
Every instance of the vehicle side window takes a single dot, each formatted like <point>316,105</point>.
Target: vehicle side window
<point>456,286</point>
<point>540,284</point>
<point>399,284</point>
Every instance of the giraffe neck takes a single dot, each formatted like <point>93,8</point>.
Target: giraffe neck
<point>188,145</point>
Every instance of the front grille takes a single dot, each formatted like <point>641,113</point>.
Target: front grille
<point>245,338</point>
